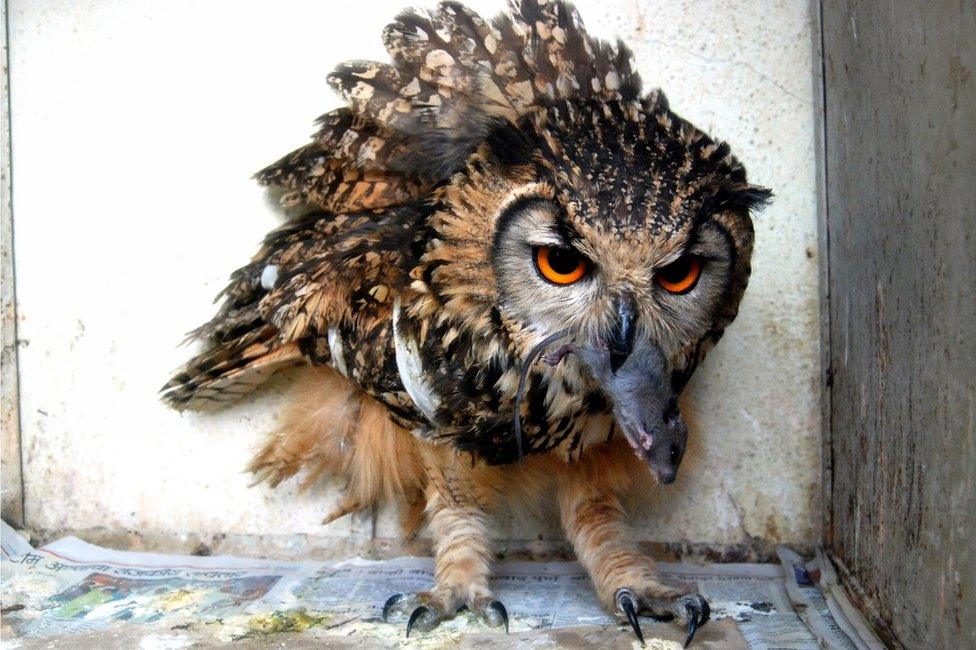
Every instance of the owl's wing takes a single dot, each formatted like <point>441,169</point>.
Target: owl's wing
<point>242,349</point>
<point>412,123</point>
<point>350,282</point>
<point>319,271</point>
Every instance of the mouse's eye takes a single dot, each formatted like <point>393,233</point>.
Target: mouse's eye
<point>560,264</point>
<point>681,275</point>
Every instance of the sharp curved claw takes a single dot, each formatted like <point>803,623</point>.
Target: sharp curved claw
<point>627,604</point>
<point>390,602</point>
<point>697,613</point>
<point>417,613</point>
<point>692,624</point>
<point>502,612</point>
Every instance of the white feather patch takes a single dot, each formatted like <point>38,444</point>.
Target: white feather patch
<point>269,275</point>
<point>337,351</point>
<point>411,369</point>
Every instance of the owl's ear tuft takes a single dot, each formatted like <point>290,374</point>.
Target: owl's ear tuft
<point>754,197</point>
<point>741,197</point>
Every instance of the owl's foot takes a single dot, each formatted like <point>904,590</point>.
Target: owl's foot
<point>427,609</point>
<point>690,609</point>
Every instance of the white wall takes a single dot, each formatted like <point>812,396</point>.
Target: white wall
<point>136,126</point>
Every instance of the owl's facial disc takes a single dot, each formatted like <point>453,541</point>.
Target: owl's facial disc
<point>645,407</point>
<point>634,301</point>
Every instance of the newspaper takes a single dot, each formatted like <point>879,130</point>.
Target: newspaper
<point>70,586</point>
<point>823,604</point>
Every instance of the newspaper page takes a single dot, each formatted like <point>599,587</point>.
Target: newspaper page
<point>840,605</point>
<point>815,592</point>
<point>71,586</point>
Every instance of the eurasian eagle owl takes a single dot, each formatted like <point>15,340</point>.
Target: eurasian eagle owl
<point>510,262</point>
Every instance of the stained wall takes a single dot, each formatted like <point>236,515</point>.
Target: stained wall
<point>135,128</point>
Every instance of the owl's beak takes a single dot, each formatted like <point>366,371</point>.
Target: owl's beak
<point>645,406</point>
<point>621,339</point>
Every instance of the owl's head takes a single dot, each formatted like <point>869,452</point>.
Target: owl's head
<point>623,222</point>
<point>617,223</point>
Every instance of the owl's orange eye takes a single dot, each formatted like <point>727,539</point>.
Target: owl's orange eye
<point>680,276</point>
<point>560,265</point>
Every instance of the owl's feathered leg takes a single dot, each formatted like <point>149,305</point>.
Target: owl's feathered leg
<point>456,515</point>
<point>625,577</point>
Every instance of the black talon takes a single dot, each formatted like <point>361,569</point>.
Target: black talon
<point>626,602</point>
<point>390,602</point>
<point>500,608</point>
<point>697,617</point>
<point>692,623</point>
<point>417,613</point>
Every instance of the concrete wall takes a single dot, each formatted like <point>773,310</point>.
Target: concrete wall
<point>136,126</point>
<point>901,225</point>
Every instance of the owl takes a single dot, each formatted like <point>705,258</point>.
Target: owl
<point>508,263</point>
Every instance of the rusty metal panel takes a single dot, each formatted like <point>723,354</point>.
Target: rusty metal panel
<point>900,152</point>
